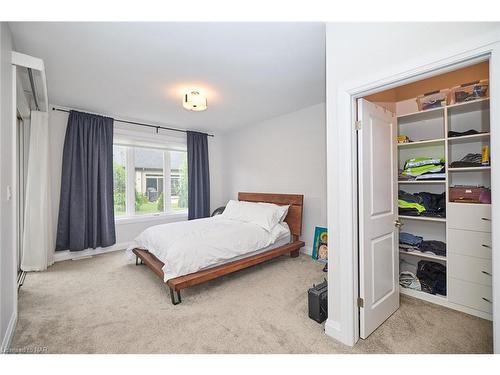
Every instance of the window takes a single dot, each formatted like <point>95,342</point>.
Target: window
<point>178,181</point>
<point>119,179</point>
<point>149,181</point>
<point>148,169</point>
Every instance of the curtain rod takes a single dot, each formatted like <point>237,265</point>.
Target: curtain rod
<point>157,127</point>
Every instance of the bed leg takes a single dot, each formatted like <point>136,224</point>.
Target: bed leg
<point>294,253</point>
<point>172,296</point>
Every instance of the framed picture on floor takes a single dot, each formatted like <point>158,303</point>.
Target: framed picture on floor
<point>320,247</point>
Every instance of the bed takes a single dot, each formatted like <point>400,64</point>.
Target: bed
<point>202,234</point>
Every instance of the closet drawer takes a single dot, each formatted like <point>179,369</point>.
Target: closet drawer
<point>476,270</point>
<point>469,216</point>
<point>470,243</point>
<point>472,295</point>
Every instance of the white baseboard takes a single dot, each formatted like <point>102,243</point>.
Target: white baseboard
<point>60,256</point>
<point>9,333</point>
<point>333,329</point>
<point>306,250</point>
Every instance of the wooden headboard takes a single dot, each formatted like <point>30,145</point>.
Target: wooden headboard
<point>296,202</point>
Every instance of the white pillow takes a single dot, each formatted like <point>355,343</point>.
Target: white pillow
<point>281,211</point>
<point>263,215</point>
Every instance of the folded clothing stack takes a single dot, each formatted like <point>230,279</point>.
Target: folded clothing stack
<point>432,277</point>
<point>427,276</point>
<point>453,134</point>
<point>423,203</point>
<point>411,243</point>
<point>423,168</point>
<point>408,275</point>
<point>469,160</point>
<point>408,241</point>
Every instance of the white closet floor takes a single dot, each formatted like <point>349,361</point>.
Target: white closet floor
<point>107,305</point>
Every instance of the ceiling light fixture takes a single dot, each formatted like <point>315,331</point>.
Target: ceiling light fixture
<point>194,101</point>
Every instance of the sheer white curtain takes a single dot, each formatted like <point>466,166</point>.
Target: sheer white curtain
<point>38,235</point>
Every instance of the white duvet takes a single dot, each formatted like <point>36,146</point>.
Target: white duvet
<point>189,246</point>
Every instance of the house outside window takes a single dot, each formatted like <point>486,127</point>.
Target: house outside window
<point>149,181</point>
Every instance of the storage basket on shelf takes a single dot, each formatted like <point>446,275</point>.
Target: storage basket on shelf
<point>470,194</point>
<point>469,91</point>
<point>432,99</point>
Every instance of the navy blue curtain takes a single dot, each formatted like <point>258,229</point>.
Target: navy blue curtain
<point>86,208</point>
<point>198,176</point>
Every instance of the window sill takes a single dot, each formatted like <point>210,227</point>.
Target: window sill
<point>172,216</point>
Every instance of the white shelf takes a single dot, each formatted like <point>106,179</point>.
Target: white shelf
<point>421,182</point>
<point>425,142</point>
<point>469,203</point>
<point>434,298</point>
<point>472,103</point>
<point>467,138</point>
<point>468,169</point>
<point>423,218</point>
<point>419,254</point>
<point>464,105</point>
<point>420,112</point>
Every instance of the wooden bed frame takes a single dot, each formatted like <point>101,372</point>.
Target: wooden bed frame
<point>293,219</point>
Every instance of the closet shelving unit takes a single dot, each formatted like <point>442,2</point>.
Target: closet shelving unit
<point>429,130</point>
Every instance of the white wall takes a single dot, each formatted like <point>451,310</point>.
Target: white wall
<point>8,257</point>
<point>286,154</point>
<point>357,55</point>
<point>125,231</point>
<point>216,156</point>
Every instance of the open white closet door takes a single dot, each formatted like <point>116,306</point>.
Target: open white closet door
<point>378,210</point>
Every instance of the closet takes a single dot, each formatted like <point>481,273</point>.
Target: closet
<point>441,148</point>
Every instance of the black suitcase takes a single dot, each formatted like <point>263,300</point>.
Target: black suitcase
<point>318,302</point>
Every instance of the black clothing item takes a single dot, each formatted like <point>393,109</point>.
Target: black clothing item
<point>432,277</point>
<point>464,164</point>
<point>452,133</point>
<point>436,247</point>
<point>435,204</point>
<point>409,212</point>
<point>469,160</point>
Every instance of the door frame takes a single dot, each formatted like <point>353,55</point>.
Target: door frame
<point>343,323</point>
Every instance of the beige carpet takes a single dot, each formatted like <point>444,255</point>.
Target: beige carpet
<point>108,305</point>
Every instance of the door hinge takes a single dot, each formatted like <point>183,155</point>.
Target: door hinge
<point>357,125</point>
<point>361,302</point>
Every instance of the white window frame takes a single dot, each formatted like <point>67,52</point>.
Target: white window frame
<point>137,139</point>
<point>167,190</point>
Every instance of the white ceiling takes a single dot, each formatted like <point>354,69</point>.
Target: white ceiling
<point>249,71</point>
